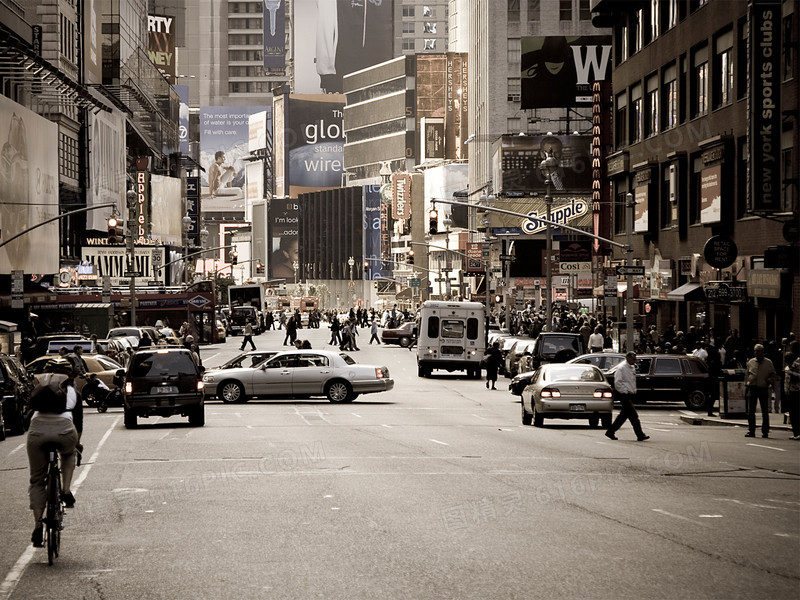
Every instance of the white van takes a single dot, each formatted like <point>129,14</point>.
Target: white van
<point>451,336</point>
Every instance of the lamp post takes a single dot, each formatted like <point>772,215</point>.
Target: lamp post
<point>351,261</point>
<point>447,261</point>
<point>629,206</point>
<point>548,166</point>
<point>131,197</point>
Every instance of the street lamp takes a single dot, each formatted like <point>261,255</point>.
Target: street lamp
<point>131,198</point>
<point>351,261</point>
<point>548,166</point>
<point>187,226</point>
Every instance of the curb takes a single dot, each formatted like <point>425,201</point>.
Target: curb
<point>693,418</point>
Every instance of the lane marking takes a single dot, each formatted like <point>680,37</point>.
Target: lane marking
<point>17,449</point>
<point>356,415</point>
<point>385,425</point>
<point>18,570</point>
<point>657,429</point>
<point>480,417</point>
<point>767,447</point>
<point>299,414</point>
<point>682,518</point>
<point>710,516</point>
<point>438,442</point>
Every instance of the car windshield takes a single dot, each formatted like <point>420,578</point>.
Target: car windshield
<point>573,373</point>
<point>553,344</point>
<point>156,364</point>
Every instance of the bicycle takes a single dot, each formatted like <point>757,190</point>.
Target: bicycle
<point>53,519</point>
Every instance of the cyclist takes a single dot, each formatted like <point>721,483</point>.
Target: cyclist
<point>58,418</point>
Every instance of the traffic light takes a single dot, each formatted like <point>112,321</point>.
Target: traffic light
<point>433,221</point>
<point>234,257</point>
<point>410,257</point>
<point>115,232</point>
<point>498,299</point>
<point>259,268</point>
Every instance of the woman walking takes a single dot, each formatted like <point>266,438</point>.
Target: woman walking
<point>491,362</point>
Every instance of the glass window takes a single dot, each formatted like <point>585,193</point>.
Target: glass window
<point>723,69</point>
<point>653,16</point>
<point>565,10</point>
<point>430,45</point>
<point>430,28</point>
<point>433,327</point>
<point>694,189</point>
<point>533,10</point>
<point>584,10</point>
<point>621,122</point>
<point>408,11</point>
<point>452,328</point>
<point>669,195</point>
<point>282,362</point>
<point>636,30</point>
<point>514,90</point>
<point>513,11</point>
<point>472,329</point>
<point>637,116</point>
<point>428,11</point>
<point>699,82</point>
<point>408,44</point>
<point>667,366</point>
<point>651,106</point>
<point>409,27</point>
<point>669,94</point>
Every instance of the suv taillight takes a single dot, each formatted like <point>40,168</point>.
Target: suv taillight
<point>128,387</point>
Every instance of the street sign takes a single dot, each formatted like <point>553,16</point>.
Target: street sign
<point>635,271</point>
<point>132,274</point>
<point>575,267</point>
<point>414,281</point>
<point>509,257</point>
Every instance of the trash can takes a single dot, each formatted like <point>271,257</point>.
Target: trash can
<point>732,403</point>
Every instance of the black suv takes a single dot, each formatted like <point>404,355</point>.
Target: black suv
<point>15,389</point>
<point>163,382</point>
<point>549,347</point>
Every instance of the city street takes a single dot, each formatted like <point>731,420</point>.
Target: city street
<point>431,490</point>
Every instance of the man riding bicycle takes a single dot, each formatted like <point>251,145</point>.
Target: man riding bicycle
<point>58,419</point>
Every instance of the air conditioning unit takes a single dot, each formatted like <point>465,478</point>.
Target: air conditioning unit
<point>673,184</point>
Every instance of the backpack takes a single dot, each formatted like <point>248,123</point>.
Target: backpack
<point>49,396</point>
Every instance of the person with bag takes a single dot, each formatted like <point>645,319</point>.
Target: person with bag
<point>58,419</point>
<point>491,362</point>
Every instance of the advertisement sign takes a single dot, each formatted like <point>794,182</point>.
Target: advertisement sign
<point>106,166</point>
<point>372,233</point>
<point>558,71</point>
<point>259,125</point>
<point>710,195</point>
<point>431,138</point>
<point>166,210</point>
<point>92,43</point>
<point>274,34</point>
<point>516,161</point>
<point>765,105</point>
<point>224,148</point>
<point>640,216</point>
<point>401,196</point>
<point>314,138</point>
<point>573,211</point>
<point>561,213</point>
<point>28,189</point>
<point>440,96</point>
<point>161,44</point>
<point>340,37</point>
<point>283,232</point>
<point>474,252</point>
<point>193,207</point>
<point>111,261</point>
<point>183,117</point>
<point>141,212</point>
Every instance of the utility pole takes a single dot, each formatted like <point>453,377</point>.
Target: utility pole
<point>130,196</point>
<point>629,205</point>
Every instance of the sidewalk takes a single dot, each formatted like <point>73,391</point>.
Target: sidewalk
<point>777,421</point>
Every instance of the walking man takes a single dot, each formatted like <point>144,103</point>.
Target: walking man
<point>758,382</point>
<point>625,388</point>
<point>374,333</point>
<point>248,335</point>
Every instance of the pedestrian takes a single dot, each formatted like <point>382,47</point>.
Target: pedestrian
<point>625,388</point>
<point>352,332</point>
<point>491,362</point>
<point>291,331</point>
<point>336,338</point>
<point>414,336</point>
<point>248,335</point>
<point>78,362</point>
<point>196,354</point>
<point>374,333</point>
<point>792,386</point>
<point>596,340</point>
<point>758,382</point>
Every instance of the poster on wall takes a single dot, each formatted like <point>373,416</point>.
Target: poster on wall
<point>283,234</point>
<point>711,195</point>
<point>372,233</point>
<point>183,117</point>
<point>161,44</point>
<point>224,148</point>
<point>28,190</point>
<point>340,37</point>
<point>640,212</point>
<point>106,166</point>
<point>274,34</point>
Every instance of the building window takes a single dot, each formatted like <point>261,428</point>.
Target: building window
<point>584,10</point>
<point>533,10</point>
<point>669,195</point>
<point>565,10</point>
<point>245,55</point>
<point>514,89</point>
<point>408,11</point>
<point>636,42</point>
<point>408,44</point>
<point>514,124</point>
<point>621,121</point>
<point>651,106</point>
<point>428,12</point>
<point>654,14</point>
<point>68,157</point>
<point>430,28</point>
<point>620,225</point>
<point>789,49</point>
<point>621,50</point>
<point>696,163</point>
<point>637,116</point>
<point>513,11</point>
<point>723,69</point>
<point>669,14</point>
<point>514,54</point>
<point>430,45</point>
<point>699,84</point>
<point>669,98</point>
<point>409,28</point>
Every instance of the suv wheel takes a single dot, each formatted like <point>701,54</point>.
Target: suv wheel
<point>130,419</point>
<point>197,418</point>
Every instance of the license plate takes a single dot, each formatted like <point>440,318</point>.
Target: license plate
<point>164,389</point>
<point>577,407</point>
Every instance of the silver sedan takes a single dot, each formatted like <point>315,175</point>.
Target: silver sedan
<point>299,374</point>
<point>567,392</point>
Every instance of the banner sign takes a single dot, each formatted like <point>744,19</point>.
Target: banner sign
<point>401,196</point>
<point>710,195</point>
<point>142,208</point>
<point>161,45</point>
<point>640,216</point>
<point>474,257</point>
<point>765,105</point>
<point>274,34</point>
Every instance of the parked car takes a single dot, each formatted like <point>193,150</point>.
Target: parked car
<point>151,334</point>
<point>562,391</point>
<point>163,382</point>
<point>516,358</point>
<point>550,347</point>
<point>248,359</point>
<point>105,367</point>
<point>670,377</point>
<point>43,343</point>
<point>88,346</point>
<point>300,373</point>
<point>602,360</point>
<point>15,390</point>
<point>399,335</point>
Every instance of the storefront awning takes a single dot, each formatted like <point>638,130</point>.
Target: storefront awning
<point>688,292</point>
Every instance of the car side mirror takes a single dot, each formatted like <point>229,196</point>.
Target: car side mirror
<point>120,373</point>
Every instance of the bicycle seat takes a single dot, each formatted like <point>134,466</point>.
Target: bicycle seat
<point>51,446</point>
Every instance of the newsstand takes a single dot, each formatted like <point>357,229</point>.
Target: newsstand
<point>732,402</point>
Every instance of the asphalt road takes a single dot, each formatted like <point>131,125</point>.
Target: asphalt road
<point>431,490</point>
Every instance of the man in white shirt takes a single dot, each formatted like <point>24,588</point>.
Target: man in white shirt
<point>625,388</point>
<point>596,340</point>
<point>700,352</point>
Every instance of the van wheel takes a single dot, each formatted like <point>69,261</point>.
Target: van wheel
<point>405,342</point>
<point>696,400</point>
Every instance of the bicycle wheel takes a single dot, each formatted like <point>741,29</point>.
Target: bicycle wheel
<point>53,513</point>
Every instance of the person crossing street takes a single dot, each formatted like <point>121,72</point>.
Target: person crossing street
<point>248,336</point>
<point>625,388</point>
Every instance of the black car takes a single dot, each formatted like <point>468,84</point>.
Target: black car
<point>670,377</point>
<point>163,382</point>
<point>549,347</point>
<point>15,389</point>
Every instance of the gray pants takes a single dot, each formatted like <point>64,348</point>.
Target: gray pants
<point>57,430</point>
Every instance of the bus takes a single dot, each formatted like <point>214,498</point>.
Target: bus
<point>451,336</point>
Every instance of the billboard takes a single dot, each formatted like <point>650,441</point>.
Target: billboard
<point>260,124</point>
<point>516,160</point>
<point>106,166</point>
<point>441,93</point>
<point>183,118</point>
<point>92,43</point>
<point>28,189</point>
<point>224,146</point>
<point>314,142</point>
<point>161,45</point>
<point>113,261</point>
<point>558,71</point>
<point>372,233</point>
<point>339,37</point>
<point>166,212</point>
<point>283,235</point>
<point>711,195</point>
<point>641,221</point>
<point>274,34</point>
